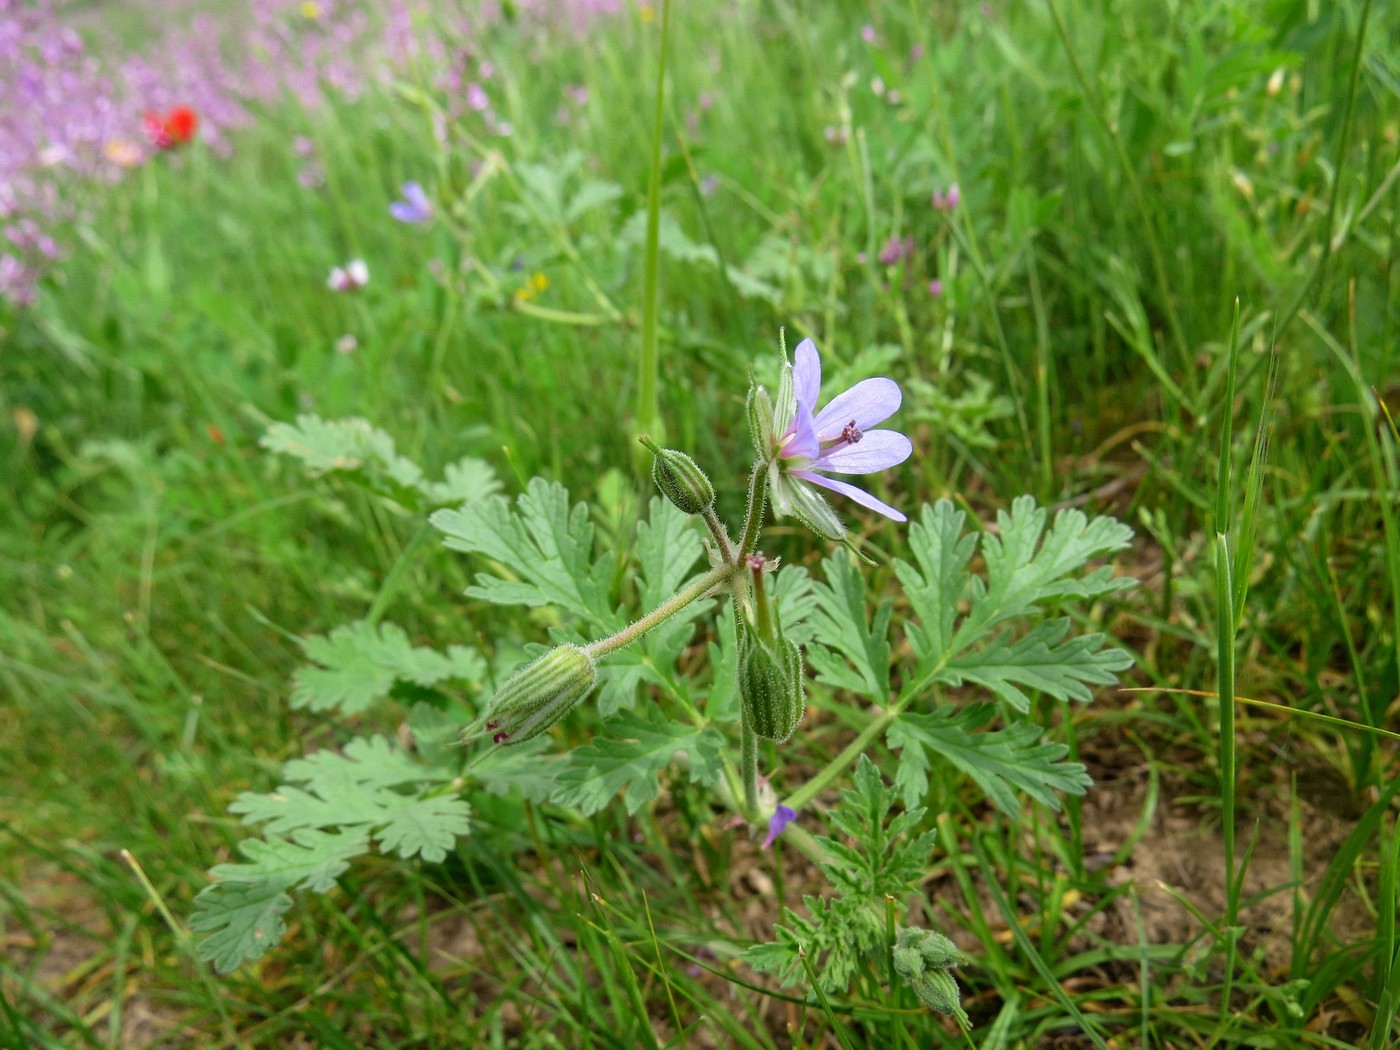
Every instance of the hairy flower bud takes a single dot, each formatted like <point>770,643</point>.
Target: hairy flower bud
<point>679,478</point>
<point>923,958</point>
<point>539,694</point>
<point>770,684</point>
<point>760,411</point>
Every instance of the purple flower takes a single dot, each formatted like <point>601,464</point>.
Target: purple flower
<point>805,445</point>
<point>935,288</point>
<point>947,201</point>
<point>896,248</point>
<point>415,207</point>
<point>781,818</point>
<point>476,97</point>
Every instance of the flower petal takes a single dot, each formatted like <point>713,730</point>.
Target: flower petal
<point>781,818</point>
<point>405,212</point>
<point>802,442</point>
<point>807,374</point>
<point>869,402</point>
<point>862,497</point>
<point>877,450</point>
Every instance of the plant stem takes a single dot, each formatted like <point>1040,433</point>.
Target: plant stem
<point>753,514</point>
<point>629,634</point>
<point>720,533</point>
<point>748,752</point>
<point>857,747</point>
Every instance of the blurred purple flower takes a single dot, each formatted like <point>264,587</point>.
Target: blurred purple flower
<point>477,98</point>
<point>868,34</point>
<point>781,818</point>
<point>895,249</point>
<point>947,201</point>
<point>935,288</point>
<point>415,207</point>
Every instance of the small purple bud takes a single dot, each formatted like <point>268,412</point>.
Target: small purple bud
<point>781,818</point>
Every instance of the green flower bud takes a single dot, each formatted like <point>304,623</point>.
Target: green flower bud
<point>770,684</point>
<point>923,958</point>
<point>679,479</point>
<point>538,695</point>
<point>760,411</point>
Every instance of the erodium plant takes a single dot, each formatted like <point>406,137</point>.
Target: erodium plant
<point>995,635</point>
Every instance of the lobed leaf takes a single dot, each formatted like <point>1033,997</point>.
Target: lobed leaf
<point>630,758</point>
<point>860,661</point>
<point>999,761</point>
<point>358,790</point>
<point>361,662</point>
<point>543,548</point>
<point>242,912</point>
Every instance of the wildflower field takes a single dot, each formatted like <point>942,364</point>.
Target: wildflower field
<point>794,523</point>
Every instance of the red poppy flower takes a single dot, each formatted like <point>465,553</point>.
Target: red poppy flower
<point>174,129</point>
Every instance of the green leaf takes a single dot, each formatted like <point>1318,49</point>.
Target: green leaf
<point>630,758</point>
<point>881,857</point>
<point>999,761</point>
<point>465,481</point>
<point>853,655</point>
<point>530,768</point>
<point>358,451</point>
<point>242,912</point>
<point>350,446</point>
<point>1026,568</point>
<point>361,662</point>
<point>1039,660</point>
<point>667,547</point>
<point>358,790</point>
<point>1025,571</point>
<point>544,551</point>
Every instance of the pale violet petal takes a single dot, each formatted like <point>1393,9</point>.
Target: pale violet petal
<point>802,442</point>
<point>807,374</point>
<point>869,402</point>
<point>876,450</point>
<point>862,497</point>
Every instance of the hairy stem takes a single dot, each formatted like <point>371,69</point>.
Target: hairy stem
<point>748,750</point>
<point>753,513</point>
<point>700,588</point>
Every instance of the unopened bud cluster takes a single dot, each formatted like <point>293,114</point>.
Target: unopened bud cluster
<point>923,958</point>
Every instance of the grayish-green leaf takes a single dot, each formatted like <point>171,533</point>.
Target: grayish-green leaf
<point>543,548</point>
<point>361,662</point>
<point>242,912</point>
<point>636,746</point>
<point>1001,762</point>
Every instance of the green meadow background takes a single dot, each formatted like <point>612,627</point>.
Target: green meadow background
<point>1142,186</point>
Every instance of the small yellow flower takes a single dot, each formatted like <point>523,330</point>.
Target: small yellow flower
<point>310,10</point>
<point>534,287</point>
<point>648,14</point>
